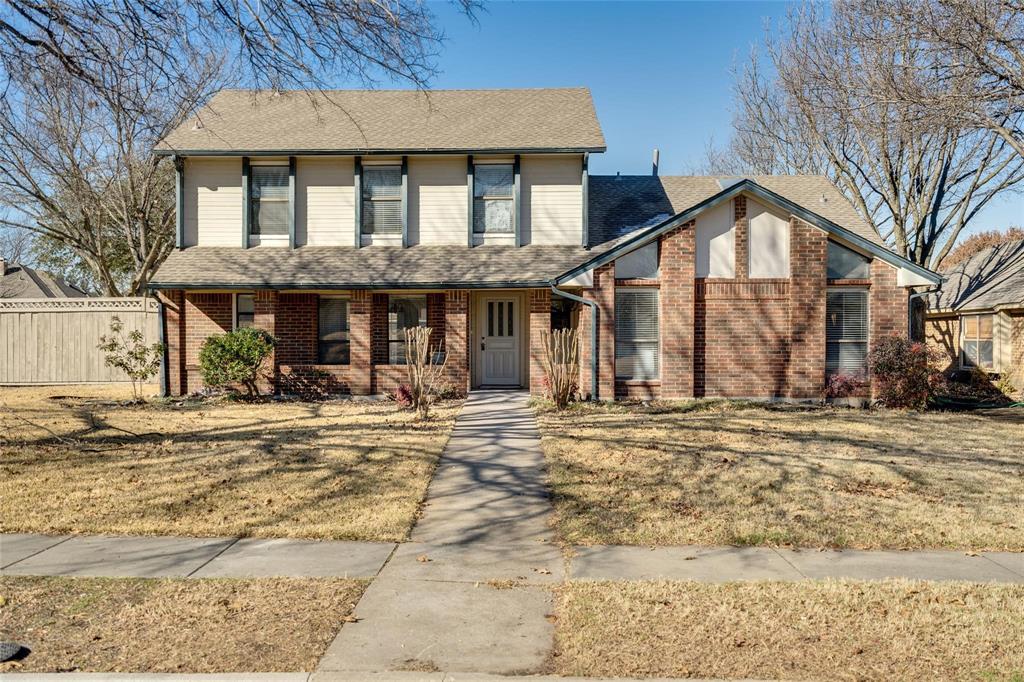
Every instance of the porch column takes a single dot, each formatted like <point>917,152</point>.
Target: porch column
<point>265,305</point>
<point>456,337</point>
<point>888,307</point>
<point>808,256</point>
<point>678,269</point>
<point>174,338</point>
<point>360,342</point>
<point>603,293</point>
<point>540,322</point>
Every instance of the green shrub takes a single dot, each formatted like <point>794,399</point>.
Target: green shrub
<point>905,372</point>
<point>236,358</point>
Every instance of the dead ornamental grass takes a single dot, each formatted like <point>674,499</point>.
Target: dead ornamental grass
<point>750,475</point>
<point>847,630</point>
<point>335,470</point>
<point>173,626</point>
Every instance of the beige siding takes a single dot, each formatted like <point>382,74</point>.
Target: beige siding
<point>53,341</point>
<point>552,199</point>
<point>213,202</point>
<point>1002,346</point>
<point>768,242</point>
<point>716,242</point>
<point>438,200</point>
<point>325,201</point>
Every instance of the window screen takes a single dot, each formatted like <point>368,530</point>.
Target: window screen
<point>269,197</point>
<point>382,200</point>
<point>636,334</point>
<point>846,264</point>
<point>403,312</point>
<point>846,332</point>
<point>245,310</point>
<point>492,198</point>
<point>333,344</point>
<point>978,340</point>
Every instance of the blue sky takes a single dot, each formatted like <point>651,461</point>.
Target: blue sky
<point>660,72</point>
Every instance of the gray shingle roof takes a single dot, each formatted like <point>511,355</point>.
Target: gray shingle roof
<point>619,204</point>
<point>391,120</point>
<point>346,267</point>
<point>21,281</point>
<point>990,279</point>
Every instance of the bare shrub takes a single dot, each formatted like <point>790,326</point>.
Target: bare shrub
<point>561,364</point>
<point>424,373</point>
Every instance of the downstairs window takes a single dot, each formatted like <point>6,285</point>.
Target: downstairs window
<point>977,341</point>
<point>333,341</point>
<point>636,334</point>
<point>846,331</point>
<point>404,312</point>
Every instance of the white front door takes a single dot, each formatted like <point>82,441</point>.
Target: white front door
<point>499,341</point>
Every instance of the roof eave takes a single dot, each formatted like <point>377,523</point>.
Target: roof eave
<point>509,284</point>
<point>167,151</point>
<point>649,234</point>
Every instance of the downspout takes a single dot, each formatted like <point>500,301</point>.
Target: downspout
<point>594,314</point>
<point>163,342</point>
<point>910,309</point>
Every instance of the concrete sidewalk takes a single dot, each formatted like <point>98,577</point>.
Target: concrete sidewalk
<point>170,557</point>
<point>468,594</point>
<point>340,676</point>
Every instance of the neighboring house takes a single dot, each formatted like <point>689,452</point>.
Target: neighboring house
<point>977,319</point>
<point>21,281</point>
<point>336,220</point>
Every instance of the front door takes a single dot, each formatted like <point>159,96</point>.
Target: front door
<point>499,341</point>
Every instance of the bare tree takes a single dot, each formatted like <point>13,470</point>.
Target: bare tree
<point>918,179</point>
<point>89,86</point>
<point>561,364</point>
<point>423,372</point>
<point>972,62</point>
<point>16,246</point>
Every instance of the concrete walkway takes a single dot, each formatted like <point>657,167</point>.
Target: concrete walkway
<point>170,557</point>
<point>467,594</point>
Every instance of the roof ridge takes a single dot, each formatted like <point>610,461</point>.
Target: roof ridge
<point>568,88</point>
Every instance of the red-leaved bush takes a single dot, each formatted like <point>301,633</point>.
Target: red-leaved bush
<point>403,395</point>
<point>844,385</point>
<point>904,372</point>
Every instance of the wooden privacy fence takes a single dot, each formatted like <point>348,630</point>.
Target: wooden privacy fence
<point>53,341</point>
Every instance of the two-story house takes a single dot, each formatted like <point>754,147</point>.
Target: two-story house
<point>336,220</point>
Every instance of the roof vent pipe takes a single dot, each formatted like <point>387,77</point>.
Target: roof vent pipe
<point>654,163</point>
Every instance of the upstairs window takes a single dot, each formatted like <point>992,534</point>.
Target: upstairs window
<point>333,343</point>
<point>269,201</point>
<point>636,333</point>
<point>492,198</point>
<point>404,312</point>
<point>245,310</point>
<point>846,331</point>
<point>382,200</point>
<point>844,263</point>
<point>977,341</point>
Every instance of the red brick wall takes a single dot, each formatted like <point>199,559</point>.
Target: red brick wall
<point>379,329</point>
<point>807,288</point>
<point>174,329</point>
<point>888,304</point>
<point>676,265</point>
<point>298,329</point>
<point>602,293</point>
<point>205,315</point>
<point>456,334</point>
<point>540,322</point>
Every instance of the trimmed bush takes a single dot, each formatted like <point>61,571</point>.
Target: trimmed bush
<point>236,358</point>
<point>904,372</point>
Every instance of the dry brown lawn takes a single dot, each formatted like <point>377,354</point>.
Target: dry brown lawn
<point>892,630</point>
<point>732,473</point>
<point>86,463</point>
<point>174,626</point>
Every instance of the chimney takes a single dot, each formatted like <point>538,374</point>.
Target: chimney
<point>654,163</point>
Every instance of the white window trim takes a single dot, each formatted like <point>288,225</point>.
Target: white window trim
<point>266,239</point>
<point>963,338</point>
<point>234,306</point>
<point>366,239</point>
<point>480,237</point>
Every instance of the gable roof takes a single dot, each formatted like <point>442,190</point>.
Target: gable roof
<point>379,121</point>
<point>650,230</point>
<point>992,278</point>
<point>21,281</point>
<point>619,204</point>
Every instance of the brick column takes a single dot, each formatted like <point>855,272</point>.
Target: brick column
<point>887,306</point>
<point>678,268</point>
<point>174,338</point>
<point>602,293</point>
<point>360,336</point>
<point>456,336</point>
<point>540,322</point>
<point>808,257</point>
<point>741,232</point>
<point>265,318</point>
<point>206,315</point>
